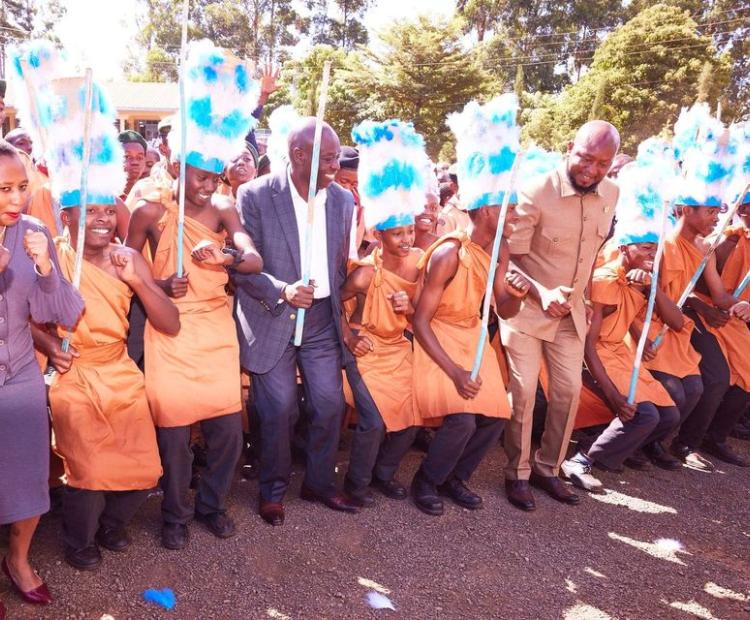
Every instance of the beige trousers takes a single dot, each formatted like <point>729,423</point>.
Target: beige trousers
<point>564,359</point>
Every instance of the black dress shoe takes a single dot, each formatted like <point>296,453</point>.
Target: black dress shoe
<point>555,488</point>
<point>87,558</point>
<point>723,452</point>
<point>661,458</point>
<point>426,495</point>
<point>335,502</point>
<point>638,461</point>
<point>218,523</point>
<point>460,494</point>
<point>741,431</point>
<point>362,498</point>
<point>174,536</point>
<point>113,538</point>
<point>519,494</point>
<point>392,488</point>
<point>271,512</point>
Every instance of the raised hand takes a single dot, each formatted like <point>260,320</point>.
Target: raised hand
<point>37,247</point>
<point>269,79</point>
<point>400,302</point>
<point>123,263</point>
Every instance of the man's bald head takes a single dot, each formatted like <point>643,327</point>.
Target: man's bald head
<point>301,140</point>
<point>21,139</point>
<point>591,153</point>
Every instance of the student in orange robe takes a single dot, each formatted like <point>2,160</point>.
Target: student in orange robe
<point>194,376</point>
<point>103,427</point>
<point>447,326</point>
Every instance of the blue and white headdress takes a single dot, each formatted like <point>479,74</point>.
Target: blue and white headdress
<point>740,134</point>
<point>64,124</point>
<point>708,158</point>
<point>393,170</point>
<point>37,62</point>
<point>645,184</point>
<point>280,122</point>
<point>487,143</point>
<point>220,98</point>
<point>536,162</point>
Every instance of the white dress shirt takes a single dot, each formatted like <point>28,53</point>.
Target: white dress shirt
<point>319,265</point>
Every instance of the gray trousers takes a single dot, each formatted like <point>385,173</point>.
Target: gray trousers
<point>459,446</point>
<point>84,512</point>
<point>223,437</point>
<point>368,435</point>
<point>319,361</point>
<point>621,439</point>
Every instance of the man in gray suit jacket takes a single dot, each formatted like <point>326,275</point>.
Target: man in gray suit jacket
<point>274,212</point>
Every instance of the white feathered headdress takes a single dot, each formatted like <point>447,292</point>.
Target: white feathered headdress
<point>487,143</point>
<point>645,185</point>
<point>220,98</point>
<point>280,122</point>
<point>392,173</point>
<point>708,160</point>
<point>741,143</point>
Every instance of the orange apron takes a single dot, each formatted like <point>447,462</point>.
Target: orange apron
<point>103,429</point>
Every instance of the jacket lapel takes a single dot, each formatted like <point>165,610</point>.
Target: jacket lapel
<point>334,223</point>
<point>284,210</point>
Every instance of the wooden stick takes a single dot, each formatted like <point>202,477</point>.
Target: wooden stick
<point>698,272</point>
<point>483,334</point>
<point>312,189</point>
<point>651,301</point>
<point>183,140</point>
<point>86,158</point>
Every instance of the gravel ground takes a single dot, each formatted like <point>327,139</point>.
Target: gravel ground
<point>594,561</point>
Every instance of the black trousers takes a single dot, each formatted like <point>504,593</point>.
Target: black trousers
<point>368,435</point>
<point>392,451</point>
<point>84,512</point>
<point>721,405</point>
<point>223,436</point>
<point>459,446</point>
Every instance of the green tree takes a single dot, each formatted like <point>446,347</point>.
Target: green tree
<point>23,19</point>
<point>651,67</point>
<point>339,22</point>
<point>420,73</point>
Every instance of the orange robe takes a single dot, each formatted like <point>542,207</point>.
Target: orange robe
<point>457,325</point>
<point>675,355</point>
<point>387,370</point>
<point>102,424</point>
<point>609,287</point>
<point>42,207</point>
<point>194,375</point>
<point>734,337</point>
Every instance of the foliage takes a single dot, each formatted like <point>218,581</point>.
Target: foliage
<point>338,22</point>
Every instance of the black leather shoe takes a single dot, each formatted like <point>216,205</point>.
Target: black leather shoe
<point>460,494</point>
<point>555,488</point>
<point>362,498</point>
<point>723,452</point>
<point>638,461</point>
<point>392,488</point>
<point>113,538</point>
<point>426,495</point>
<point>741,431</point>
<point>87,558</point>
<point>174,536</point>
<point>661,458</point>
<point>335,502</point>
<point>519,494</point>
<point>218,523</point>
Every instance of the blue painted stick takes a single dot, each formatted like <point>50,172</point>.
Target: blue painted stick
<point>312,190</point>
<point>86,158</point>
<point>183,140</point>
<point>651,301</point>
<point>483,335</point>
<point>743,285</point>
<point>698,272</point>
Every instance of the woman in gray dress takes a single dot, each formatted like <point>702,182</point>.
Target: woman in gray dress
<point>30,289</point>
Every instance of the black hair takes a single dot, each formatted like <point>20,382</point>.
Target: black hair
<point>446,193</point>
<point>7,149</point>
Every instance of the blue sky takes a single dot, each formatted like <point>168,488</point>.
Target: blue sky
<point>94,37</point>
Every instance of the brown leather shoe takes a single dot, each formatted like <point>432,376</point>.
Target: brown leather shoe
<point>271,512</point>
<point>519,494</point>
<point>335,502</point>
<point>555,488</point>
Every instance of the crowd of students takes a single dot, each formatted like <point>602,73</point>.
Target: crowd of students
<point>145,341</point>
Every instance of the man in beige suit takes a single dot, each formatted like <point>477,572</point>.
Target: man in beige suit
<point>562,221</point>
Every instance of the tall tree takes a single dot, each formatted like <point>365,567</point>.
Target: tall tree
<point>421,73</point>
<point>22,19</point>
<point>651,67</point>
<point>339,22</point>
